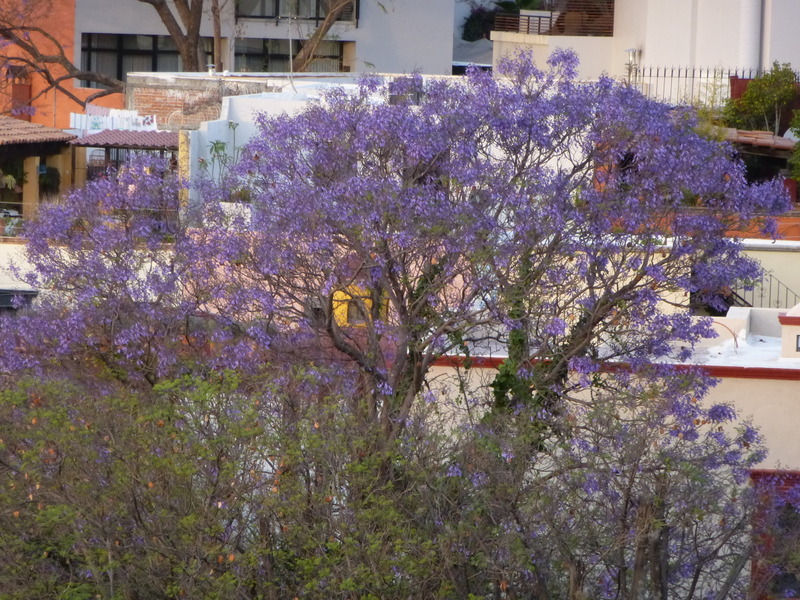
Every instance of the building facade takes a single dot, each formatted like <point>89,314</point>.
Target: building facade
<point>731,34</point>
<point>115,37</point>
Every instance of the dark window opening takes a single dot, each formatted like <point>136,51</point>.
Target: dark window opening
<point>100,160</point>
<point>116,55</point>
<point>12,178</point>
<point>13,300</point>
<point>301,9</point>
<point>274,56</point>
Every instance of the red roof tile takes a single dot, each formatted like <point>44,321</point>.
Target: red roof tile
<point>17,131</point>
<point>763,139</point>
<point>139,140</point>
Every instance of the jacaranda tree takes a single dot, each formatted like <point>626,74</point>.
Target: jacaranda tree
<point>269,355</point>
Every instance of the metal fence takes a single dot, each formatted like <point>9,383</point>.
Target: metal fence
<point>767,292</point>
<point>694,85</point>
<point>689,85</point>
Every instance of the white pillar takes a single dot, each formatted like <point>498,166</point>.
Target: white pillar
<point>750,27</point>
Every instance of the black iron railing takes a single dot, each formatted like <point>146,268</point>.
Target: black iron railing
<point>767,292</point>
<point>693,85</point>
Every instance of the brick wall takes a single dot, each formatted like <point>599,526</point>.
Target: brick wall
<point>184,103</point>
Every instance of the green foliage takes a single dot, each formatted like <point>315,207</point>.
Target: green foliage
<point>794,160</point>
<point>478,25</point>
<point>198,490</point>
<point>223,158</point>
<point>12,173</point>
<point>767,97</point>
<point>50,181</point>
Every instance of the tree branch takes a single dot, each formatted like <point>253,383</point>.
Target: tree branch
<point>307,53</point>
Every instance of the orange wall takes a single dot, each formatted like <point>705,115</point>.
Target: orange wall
<point>53,108</point>
<point>788,228</point>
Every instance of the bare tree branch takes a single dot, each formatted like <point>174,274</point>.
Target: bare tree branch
<point>48,64</point>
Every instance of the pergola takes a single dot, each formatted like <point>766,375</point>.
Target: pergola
<point>117,142</point>
<point>22,145</point>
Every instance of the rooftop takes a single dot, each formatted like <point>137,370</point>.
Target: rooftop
<point>760,142</point>
<point>137,140</point>
<point>17,131</point>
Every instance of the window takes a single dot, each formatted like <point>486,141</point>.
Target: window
<point>272,56</point>
<point>12,300</point>
<point>353,307</point>
<point>302,9</point>
<point>117,55</point>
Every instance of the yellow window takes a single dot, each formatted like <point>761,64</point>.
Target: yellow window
<point>352,307</point>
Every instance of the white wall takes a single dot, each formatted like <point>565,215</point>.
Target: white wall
<point>703,33</point>
<point>12,252</point>
<point>630,31</point>
<point>781,262</point>
<point>596,53</point>
<point>741,34</point>
<point>775,409</point>
<point>781,24</point>
<point>401,36</point>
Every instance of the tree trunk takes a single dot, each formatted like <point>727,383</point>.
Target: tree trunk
<point>308,52</point>
<point>215,18</point>
<point>186,33</point>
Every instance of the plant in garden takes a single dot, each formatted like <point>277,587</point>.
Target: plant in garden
<point>199,488</point>
<point>765,101</point>
<point>794,159</point>
<point>478,24</point>
<point>565,222</point>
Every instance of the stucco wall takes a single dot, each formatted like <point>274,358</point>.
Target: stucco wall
<point>775,409</point>
<point>707,33</point>
<point>11,252</point>
<point>595,52</point>
<point>772,405</point>
<point>401,36</point>
<point>781,23</point>
<point>783,264</point>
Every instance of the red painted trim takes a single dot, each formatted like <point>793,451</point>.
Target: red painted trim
<point>788,320</point>
<point>478,362</point>
<point>761,473</point>
<point>724,372</point>
<point>717,371</point>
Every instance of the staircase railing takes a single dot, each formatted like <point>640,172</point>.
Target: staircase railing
<point>767,292</point>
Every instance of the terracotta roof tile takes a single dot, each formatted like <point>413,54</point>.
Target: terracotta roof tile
<point>139,140</point>
<point>17,131</point>
<point>763,139</point>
